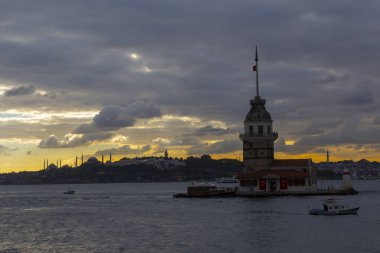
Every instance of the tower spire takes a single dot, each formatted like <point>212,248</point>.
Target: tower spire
<point>257,73</point>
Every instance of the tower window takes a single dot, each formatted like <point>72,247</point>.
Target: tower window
<point>268,129</point>
<point>261,130</point>
<point>250,130</point>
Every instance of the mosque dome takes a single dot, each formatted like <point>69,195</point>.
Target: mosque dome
<point>258,111</point>
<point>52,166</point>
<point>92,159</point>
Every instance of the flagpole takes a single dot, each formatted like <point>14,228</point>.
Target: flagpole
<point>257,73</point>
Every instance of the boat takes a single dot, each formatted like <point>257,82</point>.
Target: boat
<point>69,192</point>
<point>227,180</point>
<point>332,207</point>
<point>205,189</point>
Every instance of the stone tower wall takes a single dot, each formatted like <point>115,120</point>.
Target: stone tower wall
<point>258,154</point>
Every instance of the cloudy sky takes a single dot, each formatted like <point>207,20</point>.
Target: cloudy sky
<point>136,77</point>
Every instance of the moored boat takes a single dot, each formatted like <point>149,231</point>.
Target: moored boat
<point>205,189</point>
<point>332,207</point>
<point>227,180</point>
<point>69,192</point>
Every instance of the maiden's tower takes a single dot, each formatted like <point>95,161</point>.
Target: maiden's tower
<point>262,172</point>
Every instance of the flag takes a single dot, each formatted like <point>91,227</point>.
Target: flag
<point>283,184</point>
<point>262,184</point>
<point>254,68</point>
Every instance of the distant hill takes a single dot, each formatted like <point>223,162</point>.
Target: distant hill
<point>362,169</point>
<point>95,172</point>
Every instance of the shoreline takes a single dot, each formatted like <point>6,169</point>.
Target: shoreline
<point>270,194</point>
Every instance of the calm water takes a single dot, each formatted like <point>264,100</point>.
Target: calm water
<point>145,218</point>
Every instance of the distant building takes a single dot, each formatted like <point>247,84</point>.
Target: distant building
<point>263,173</point>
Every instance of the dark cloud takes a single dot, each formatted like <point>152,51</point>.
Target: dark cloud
<point>51,142</point>
<point>185,141</point>
<point>124,150</point>
<point>376,120</point>
<point>6,151</point>
<point>110,118</point>
<point>357,136</point>
<point>74,140</point>
<point>85,128</point>
<point>194,145</point>
<point>20,91</point>
<point>356,96</point>
<point>116,117</point>
<point>86,139</point>
<point>297,148</point>
<point>176,143</point>
<point>317,126</point>
<point>220,147</point>
<point>227,146</point>
<point>350,132</point>
<point>210,130</point>
<point>141,110</point>
<point>51,95</point>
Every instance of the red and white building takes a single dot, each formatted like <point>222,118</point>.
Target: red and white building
<point>286,175</point>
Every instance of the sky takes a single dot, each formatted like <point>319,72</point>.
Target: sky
<point>134,78</point>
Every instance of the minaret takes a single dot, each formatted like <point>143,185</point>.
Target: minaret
<point>110,158</point>
<point>102,158</point>
<point>76,161</point>
<point>258,137</point>
<point>82,160</point>
<point>44,164</point>
<point>327,156</point>
<point>166,154</point>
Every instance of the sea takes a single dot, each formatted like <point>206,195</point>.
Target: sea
<point>144,217</point>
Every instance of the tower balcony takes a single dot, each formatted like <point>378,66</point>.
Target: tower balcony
<point>256,136</point>
<point>257,100</point>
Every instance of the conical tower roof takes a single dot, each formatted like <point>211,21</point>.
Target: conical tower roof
<point>258,112</point>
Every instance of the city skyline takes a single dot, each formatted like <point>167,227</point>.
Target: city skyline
<point>97,77</point>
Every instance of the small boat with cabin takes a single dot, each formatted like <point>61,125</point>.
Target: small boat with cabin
<point>332,207</point>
